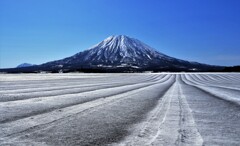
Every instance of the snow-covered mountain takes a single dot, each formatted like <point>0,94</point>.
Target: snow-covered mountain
<point>117,51</point>
<point>25,65</point>
<point>122,49</point>
<point>121,53</point>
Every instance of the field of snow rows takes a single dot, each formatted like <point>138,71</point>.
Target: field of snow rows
<point>120,109</point>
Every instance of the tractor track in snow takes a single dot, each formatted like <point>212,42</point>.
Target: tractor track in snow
<point>162,128</point>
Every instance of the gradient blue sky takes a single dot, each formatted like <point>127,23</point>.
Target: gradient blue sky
<point>37,31</point>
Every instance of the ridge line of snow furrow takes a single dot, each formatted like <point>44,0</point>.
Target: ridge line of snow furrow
<point>92,104</point>
<point>45,82</point>
<point>71,80</point>
<point>181,134</point>
<point>31,95</point>
<point>144,132</point>
<point>71,86</point>
<point>217,94</point>
<point>216,118</point>
<point>153,139</point>
<point>52,78</point>
<point>51,108</point>
<point>186,133</point>
<point>204,80</point>
<point>213,85</point>
<point>213,80</point>
<point>196,78</point>
<point>210,77</point>
<point>24,96</point>
<point>223,77</point>
<point>192,80</point>
<point>155,114</point>
<point>188,124</point>
<point>150,131</point>
<point>42,85</point>
<point>199,78</point>
<point>234,77</point>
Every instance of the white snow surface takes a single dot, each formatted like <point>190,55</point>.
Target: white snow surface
<point>189,109</point>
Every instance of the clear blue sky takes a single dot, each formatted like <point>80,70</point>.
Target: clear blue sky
<point>37,31</point>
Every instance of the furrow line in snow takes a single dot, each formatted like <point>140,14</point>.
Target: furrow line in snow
<point>188,132</point>
<point>191,79</point>
<point>169,123</point>
<point>224,78</point>
<point>63,83</point>
<point>216,119</point>
<point>208,78</point>
<point>30,107</point>
<point>181,130</point>
<point>69,85</point>
<point>147,131</point>
<point>16,128</point>
<point>234,77</point>
<point>24,96</point>
<point>229,95</point>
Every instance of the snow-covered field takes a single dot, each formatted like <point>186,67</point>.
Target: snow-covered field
<point>120,109</point>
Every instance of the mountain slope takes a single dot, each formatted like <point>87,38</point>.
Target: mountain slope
<point>122,53</point>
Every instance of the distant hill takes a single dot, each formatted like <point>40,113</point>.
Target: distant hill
<point>25,65</point>
<point>119,54</point>
<point>232,69</point>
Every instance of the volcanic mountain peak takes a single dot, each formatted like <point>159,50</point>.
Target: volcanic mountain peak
<point>120,53</point>
<point>121,49</point>
<point>123,42</point>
